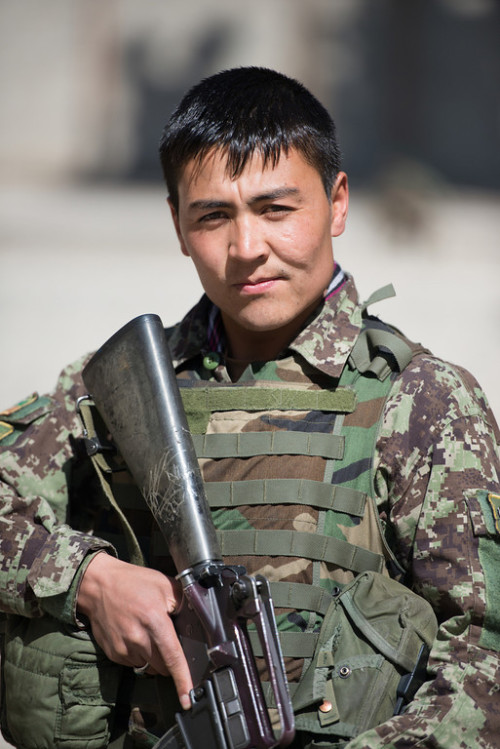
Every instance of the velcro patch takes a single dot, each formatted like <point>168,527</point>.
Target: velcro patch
<point>494,501</point>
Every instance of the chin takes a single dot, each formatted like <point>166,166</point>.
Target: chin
<point>262,325</point>
<point>265,328</point>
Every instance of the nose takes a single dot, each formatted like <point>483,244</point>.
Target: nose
<point>247,242</point>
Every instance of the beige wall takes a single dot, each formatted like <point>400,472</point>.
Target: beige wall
<point>80,262</point>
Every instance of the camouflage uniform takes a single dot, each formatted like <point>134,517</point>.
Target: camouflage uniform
<point>435,477</point>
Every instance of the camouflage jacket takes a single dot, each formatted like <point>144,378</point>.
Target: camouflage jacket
<point>437,485</point>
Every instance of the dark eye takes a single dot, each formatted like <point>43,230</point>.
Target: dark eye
<point>212,216</point>
<point>277,210</point>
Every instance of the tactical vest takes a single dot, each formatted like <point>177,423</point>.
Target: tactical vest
<point>287,458</point>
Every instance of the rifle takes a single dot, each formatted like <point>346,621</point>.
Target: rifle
<point>132,382</point>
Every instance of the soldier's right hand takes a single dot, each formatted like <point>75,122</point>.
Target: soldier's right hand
<point>129,610</point>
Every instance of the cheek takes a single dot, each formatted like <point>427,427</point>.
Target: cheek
<point>209,266</point>
<point>305,242</point>
<point>313,255</point>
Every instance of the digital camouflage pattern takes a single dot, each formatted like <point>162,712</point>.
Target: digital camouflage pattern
<point>435,482</point>
<point>38,458</point>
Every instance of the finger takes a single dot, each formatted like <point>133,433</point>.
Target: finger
<point>174,597</point>
<point>143,670</point>
<point>168,658</point>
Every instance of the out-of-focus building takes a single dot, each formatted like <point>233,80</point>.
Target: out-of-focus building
<point>86,87</point>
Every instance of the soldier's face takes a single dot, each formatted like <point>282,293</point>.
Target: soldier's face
<point>261,243</point>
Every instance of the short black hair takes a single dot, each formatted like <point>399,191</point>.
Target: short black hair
<point>243,110</point>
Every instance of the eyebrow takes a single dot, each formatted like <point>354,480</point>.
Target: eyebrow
<point>278,194</point>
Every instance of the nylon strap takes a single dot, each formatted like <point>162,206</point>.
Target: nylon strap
<point>269,694</point>
<point>300,596</point>
<point>293,644</point>
<point>103,471</point>
<point>250,444</point>
<point>369,341</point>
<point>386,292</point>
<point>296,544</point>
<point>286,491</point>
<point>236,398</point>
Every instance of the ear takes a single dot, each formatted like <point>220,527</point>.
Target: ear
<point>175,219</point>
<point>340,204</point>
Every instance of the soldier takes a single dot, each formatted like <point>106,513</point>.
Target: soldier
<point>388,462</point>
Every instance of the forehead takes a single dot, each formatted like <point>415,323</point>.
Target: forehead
<point>214,171</point>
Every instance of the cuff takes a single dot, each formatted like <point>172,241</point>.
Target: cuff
<point>63,606</point>
<point>59,559</point>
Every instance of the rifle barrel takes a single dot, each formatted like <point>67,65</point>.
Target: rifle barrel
<point>132,382</point>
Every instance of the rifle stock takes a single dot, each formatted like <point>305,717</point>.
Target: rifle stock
<point>132,382</point>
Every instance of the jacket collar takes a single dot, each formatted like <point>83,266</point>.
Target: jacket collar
<point>328,338</point>
<point>325,342</point>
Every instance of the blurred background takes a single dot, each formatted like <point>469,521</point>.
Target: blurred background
<point>87,85</point>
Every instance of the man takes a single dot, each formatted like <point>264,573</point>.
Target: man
<point>403,447</point>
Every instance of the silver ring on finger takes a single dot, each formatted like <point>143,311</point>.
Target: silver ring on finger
<point>141,670</point>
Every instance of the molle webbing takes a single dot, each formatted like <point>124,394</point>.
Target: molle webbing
<point>286,491</point>
<point>297,437</point>
<point>285,543</point>
<point>293,644</point>
<point>300,596</point>
<point>313,546</point>
<point>250,444</point>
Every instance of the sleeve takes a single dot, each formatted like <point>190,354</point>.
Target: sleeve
<point>41,555</point>
<point>437,479</point>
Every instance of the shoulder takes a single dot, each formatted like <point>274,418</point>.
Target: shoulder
<point>431,394</point>
<point>437,438</point>
<point>57,406</point>
<point>69,386</point>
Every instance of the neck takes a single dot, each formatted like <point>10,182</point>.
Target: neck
<point>246,346</point>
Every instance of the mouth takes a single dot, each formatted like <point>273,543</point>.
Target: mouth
<point>257,286</point>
